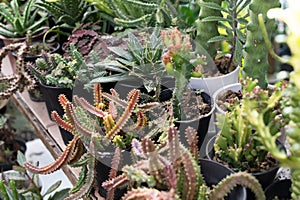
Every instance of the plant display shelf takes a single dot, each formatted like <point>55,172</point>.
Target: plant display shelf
<point>45,129</point>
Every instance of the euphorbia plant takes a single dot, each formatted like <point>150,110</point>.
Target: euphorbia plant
<point>291,104</point>
<point>236,144</point>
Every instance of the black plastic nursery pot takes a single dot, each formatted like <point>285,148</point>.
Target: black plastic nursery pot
<point>265,178</point>
<point>201,124</point>
<point>279,190</point>
<point>50,95</point>
<point>103,168</point>
<point>213,172</point>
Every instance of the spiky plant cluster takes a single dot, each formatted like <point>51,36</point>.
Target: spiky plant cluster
<point>139,60</point>
<point>255,50</point>
<point>21,78</point>
<point>113,120</point>
<point>237,143</point>
<point>56,70</point>
<point>170,171</point>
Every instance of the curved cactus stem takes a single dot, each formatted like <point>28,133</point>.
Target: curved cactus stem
<point>149,193</point>
<point>232,180</point>
<point>58,163</point>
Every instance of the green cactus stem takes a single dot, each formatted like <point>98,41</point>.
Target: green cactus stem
<point>255,50</point>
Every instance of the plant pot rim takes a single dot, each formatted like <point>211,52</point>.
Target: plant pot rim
<point>52,87</point>
<point>217,77</point>
<point>222,90</point>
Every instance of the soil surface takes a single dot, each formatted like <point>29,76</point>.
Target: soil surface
<point>221,67</point>
<point>228,98</point>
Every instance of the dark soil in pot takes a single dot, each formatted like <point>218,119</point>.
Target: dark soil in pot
<point>197,110</point>
<point>228,98</point>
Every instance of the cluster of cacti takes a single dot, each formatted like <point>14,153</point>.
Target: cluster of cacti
<point>236,143</point>
<point>170,171</point>
<point>56,70</point>
<point>21,78</point>
<point>255,50</point>
<point>115,120</point>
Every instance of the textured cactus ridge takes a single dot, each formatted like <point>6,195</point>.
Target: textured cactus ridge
<point>21,78</point>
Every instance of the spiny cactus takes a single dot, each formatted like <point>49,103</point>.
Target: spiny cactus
<point>56,70</point>
<point>255,50</point>
<point>175,175</point>
<point>21,78</point>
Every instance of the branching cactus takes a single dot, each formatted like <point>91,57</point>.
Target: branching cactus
<point>236,143</point>
<point>21,78</point>
<point>170,171</point>
<point>256,52</point>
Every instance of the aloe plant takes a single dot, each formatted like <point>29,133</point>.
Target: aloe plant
<point>18,20</point>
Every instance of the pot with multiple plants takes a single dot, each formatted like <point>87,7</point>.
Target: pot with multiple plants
<point>236,144</point>
<point>57,75</point>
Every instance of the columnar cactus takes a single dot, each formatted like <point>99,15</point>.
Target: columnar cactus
<point>255,50</point>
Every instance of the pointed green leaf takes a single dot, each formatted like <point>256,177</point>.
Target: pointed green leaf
<point>53,187</point>
<point>218,39</point>
<point>214,19</point>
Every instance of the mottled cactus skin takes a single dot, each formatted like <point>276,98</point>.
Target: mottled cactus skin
<point>208,30</point>
<point>255,50</point>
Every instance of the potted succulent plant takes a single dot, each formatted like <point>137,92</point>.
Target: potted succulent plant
<point>18,20</point>
<point>236,143</point>
<point>223,64</point>
<point>191,108</point>
<point>57,75</point>
<point>171,171</point>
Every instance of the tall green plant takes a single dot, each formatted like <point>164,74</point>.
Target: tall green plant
<point>291,104</point>
<point>255,50</point>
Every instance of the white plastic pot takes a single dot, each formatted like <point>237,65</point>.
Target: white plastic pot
<point>212,84</point>
<point>233,87</point>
